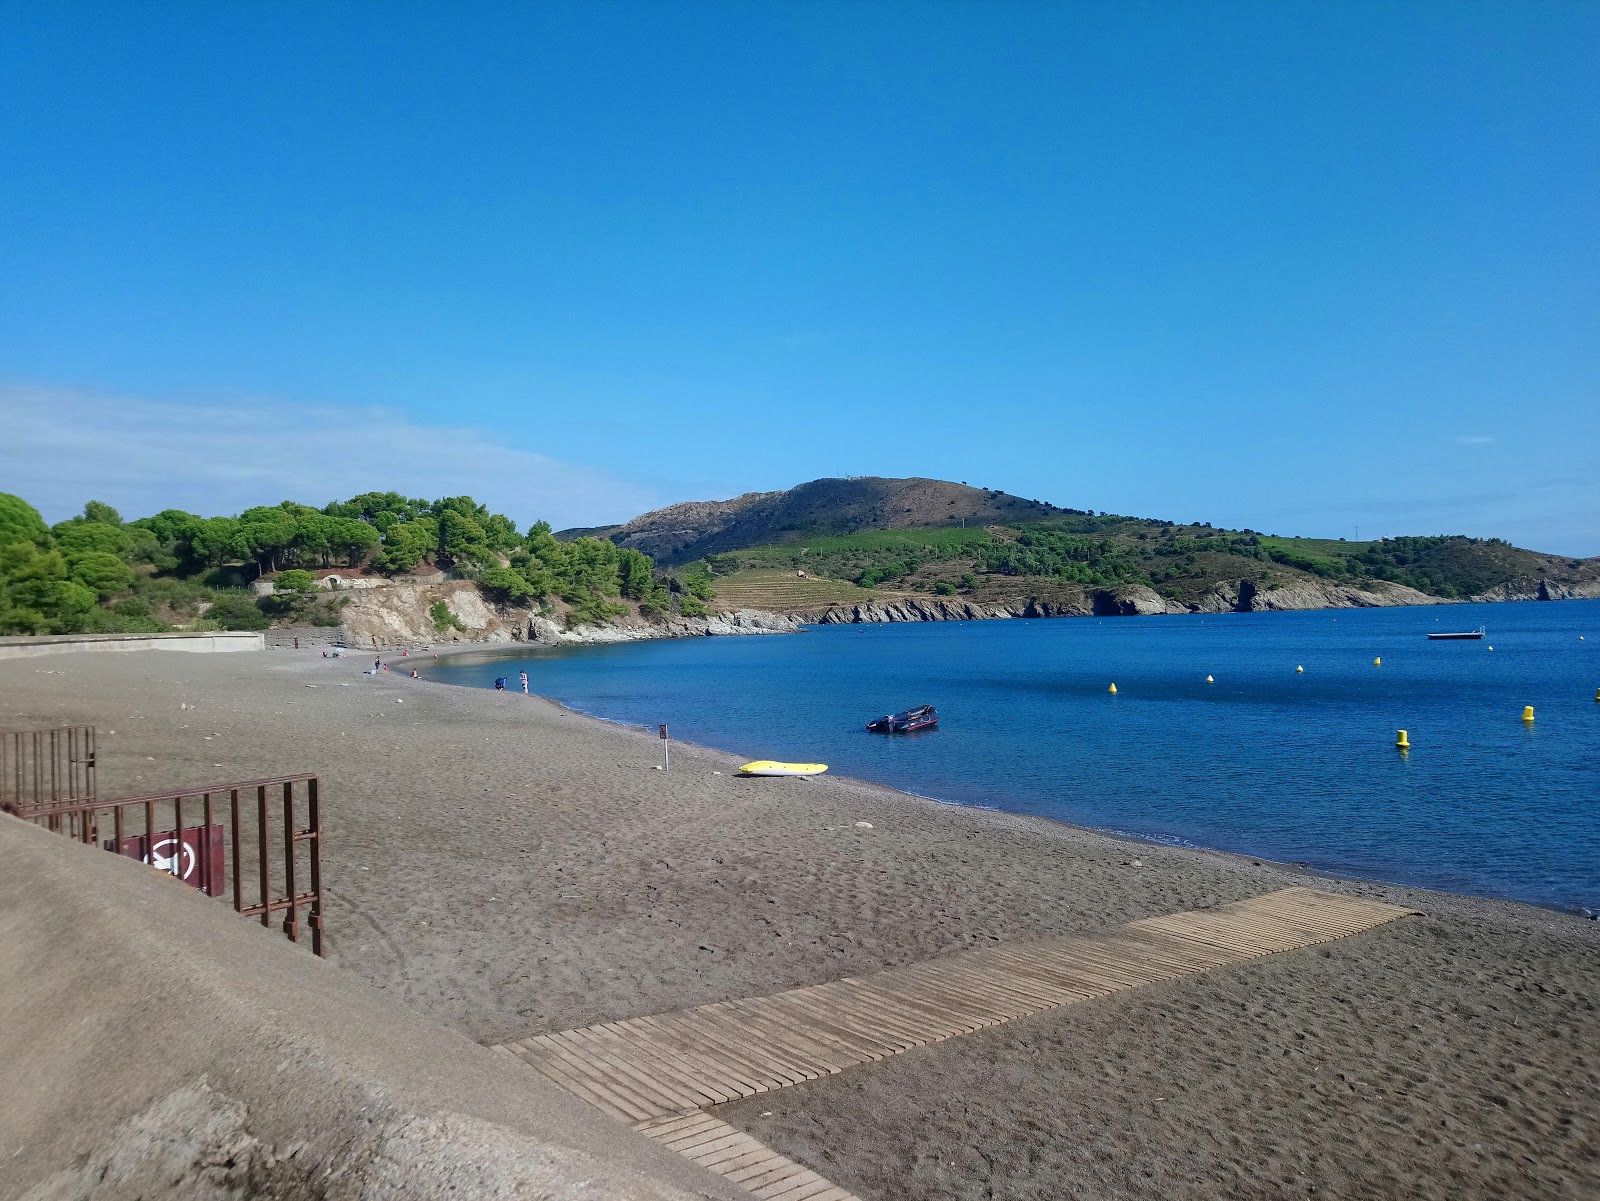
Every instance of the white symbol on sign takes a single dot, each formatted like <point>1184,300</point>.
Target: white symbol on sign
<point>163,859</point>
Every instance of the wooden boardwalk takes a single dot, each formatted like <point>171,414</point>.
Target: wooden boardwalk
<point>735,1155</point>
<point>658,1072</point>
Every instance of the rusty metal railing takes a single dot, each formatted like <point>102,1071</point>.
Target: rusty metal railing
<point>45,767</point>
<point>209,855</point>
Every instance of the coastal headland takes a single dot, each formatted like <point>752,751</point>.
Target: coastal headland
<point>504,868</point>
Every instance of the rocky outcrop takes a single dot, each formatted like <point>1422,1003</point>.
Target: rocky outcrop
<point>741,621</point>
<point>1242,596</point>
<point>943,609</point>
<point>402,616</point>
<point>1247,596</point>
<point>1133,601</point>
<point>1541,590</point>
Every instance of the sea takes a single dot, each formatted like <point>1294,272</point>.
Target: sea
<point>1267,734</point>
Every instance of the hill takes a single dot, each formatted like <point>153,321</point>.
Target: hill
<point>859,539</point>
<point>682,533</point>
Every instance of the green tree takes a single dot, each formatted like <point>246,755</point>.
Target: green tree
<point>636,574</point>
<point>504,585</point>
<point>296,580</point>
<point>37,593</point>
<point>105,573</point>
<point>20,522</point>
<point>657,602</point>
<point>79,537</point>
<point>406,543</point>
<point>268,534</point>
<point>213,541</point>
<point>381,509</point>
<point>352,540</point>
<point>102,513</point>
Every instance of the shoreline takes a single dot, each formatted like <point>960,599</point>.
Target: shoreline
<point>1304,869</point>
<point>893,609</point>
<point>513,869</point>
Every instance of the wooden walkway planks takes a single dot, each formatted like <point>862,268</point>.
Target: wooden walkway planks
<point>746,1161</point>
<point>659,1073</point>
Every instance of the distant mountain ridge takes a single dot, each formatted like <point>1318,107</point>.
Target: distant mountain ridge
<point>886,549</point>
<point>684,532</point>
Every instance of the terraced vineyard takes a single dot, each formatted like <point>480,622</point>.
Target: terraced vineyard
<point>785,592</point>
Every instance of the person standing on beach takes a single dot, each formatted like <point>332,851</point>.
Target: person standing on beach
<point>523,676</point>
<point>376,664</point>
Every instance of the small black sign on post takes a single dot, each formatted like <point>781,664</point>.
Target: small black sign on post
<point>666,754</point>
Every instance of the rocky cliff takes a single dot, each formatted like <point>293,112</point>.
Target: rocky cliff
<point>400,615</point>
<point>1542,590</point>
<point>1135,601</point>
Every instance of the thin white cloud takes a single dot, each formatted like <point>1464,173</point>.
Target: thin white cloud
<point>1474,439</point>
<point>63,447</point>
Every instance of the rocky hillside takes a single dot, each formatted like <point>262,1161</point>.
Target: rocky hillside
<point>685,532</point>
<point>403,614</point>
<point>881,549</point>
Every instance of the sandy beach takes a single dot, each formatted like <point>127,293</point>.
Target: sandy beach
<point>505,867</point>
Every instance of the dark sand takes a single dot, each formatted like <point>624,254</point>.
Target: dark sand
<point>507,868</point>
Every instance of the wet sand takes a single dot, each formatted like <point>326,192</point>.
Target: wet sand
<point>507,868</point>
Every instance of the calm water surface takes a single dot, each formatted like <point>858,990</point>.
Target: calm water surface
<point>1265,761</point>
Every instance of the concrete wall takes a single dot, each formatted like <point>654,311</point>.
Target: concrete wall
<point>222,640</point>
<point>158,1045</point>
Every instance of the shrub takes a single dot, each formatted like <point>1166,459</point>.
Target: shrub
<point>237,611</point>
<point>443,619</point>
<point>295,581</point>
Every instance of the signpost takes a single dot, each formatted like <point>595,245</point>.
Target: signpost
<point>194,855</point>
<point>666,755</point>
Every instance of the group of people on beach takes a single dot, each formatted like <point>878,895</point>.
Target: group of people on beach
<point>500,682</point>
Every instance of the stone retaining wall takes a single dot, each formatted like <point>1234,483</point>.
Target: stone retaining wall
<point>210,642</point>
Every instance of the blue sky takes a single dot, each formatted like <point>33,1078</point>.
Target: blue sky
<point>1294,267</point>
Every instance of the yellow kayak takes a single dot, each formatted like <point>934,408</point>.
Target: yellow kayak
<point>766,767</point>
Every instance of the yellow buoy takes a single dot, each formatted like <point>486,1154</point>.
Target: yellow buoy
<point>1113,688</point>
<point>1300,669</point>
<point>1527,713</point>
<point>1377,662</point>
<point>1209,680</point>
<point>1597,694</point>
<point>1400,741</point>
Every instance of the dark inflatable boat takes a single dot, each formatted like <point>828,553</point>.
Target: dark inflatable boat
<point>921,718</point>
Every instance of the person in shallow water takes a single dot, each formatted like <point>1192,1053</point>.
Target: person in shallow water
<point>523,676</point>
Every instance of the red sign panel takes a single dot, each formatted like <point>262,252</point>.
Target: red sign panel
<point>195,856</point>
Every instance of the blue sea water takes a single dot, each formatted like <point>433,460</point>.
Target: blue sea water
<point>1296,767</point>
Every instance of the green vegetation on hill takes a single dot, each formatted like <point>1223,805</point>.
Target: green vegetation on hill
<point>97,573</point>
<point>1107,551</point>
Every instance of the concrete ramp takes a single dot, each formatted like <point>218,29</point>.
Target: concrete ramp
<point>157,1045</point>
